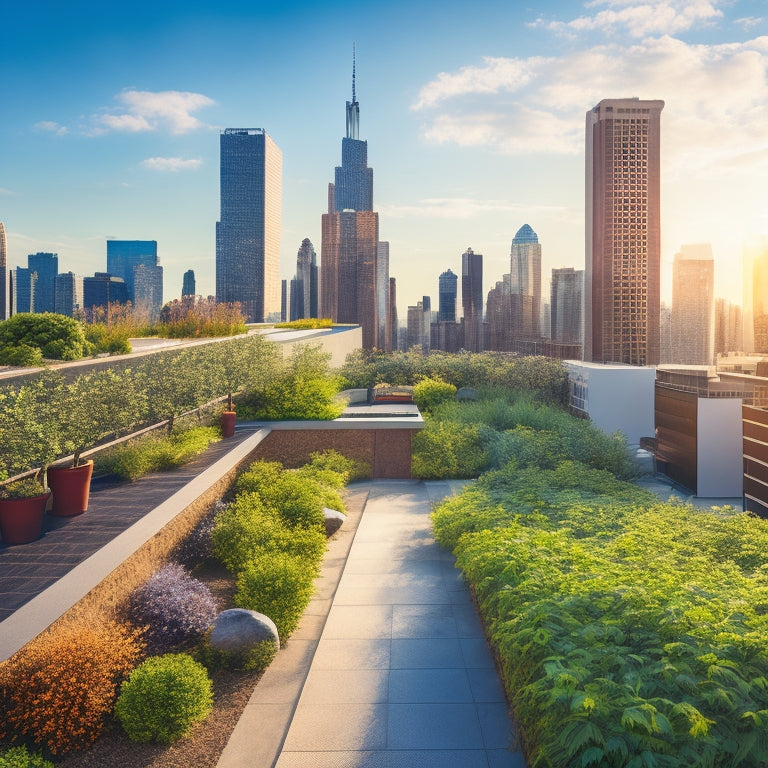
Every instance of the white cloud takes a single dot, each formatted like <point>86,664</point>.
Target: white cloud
<point>747,22</point>
<point>638,18</point>
<point>153,111</point>
<point>173,164</point>
<point>716,100</point>
<point>6,192</point>
<point>51,127</point>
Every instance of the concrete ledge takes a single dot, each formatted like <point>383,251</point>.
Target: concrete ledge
<point>40,612</point>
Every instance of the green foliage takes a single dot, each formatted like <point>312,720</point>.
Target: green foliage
<point>247,529</point>
<point>307,324</point>
<point>300,388</point>
<point>164,697</point>
<point>21,355</point>
<point>110,339</point>
<point>629,632</point>
<point>19,757</point>
<point>195,317</point>
<point>256,658</point>
<point>349,469</point>
<point>543,376</point>
<point>445,449</point>
<point>279,585</point>
<point>429,393</point>
<point>21,489</point>
<point>58,337</point>
<point>155,452</point>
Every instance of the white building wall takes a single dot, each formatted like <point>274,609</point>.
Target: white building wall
<point>617,397</point>
<point>719,463</point>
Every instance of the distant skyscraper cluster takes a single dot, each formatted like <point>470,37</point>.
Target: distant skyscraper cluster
<point>693,305</point>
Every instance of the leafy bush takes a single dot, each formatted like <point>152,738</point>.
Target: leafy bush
<point>257,658</point>
<point>246,530</point>
<point>279,585</point>
<point>429,393</point>
<point>164,698</point>
<point>349,469</point>
<point>307,324</point>
<point>300,388</point>
<point>110,339</point>
<point>19,757</point>
<point>175,609</point>
<point>156,452</point>
<point>444,449</point>
<point>21,355</point>
<point>58,689</point>
<point>58,337</point>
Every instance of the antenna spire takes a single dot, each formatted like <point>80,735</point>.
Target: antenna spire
<point>353,73</point>
<point>353,108</point>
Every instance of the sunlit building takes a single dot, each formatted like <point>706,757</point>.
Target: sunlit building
<point>566,296</point>
<point>69,293</point>
<point>304,286</point>
<point>3,273</point>
<point>248,233</point>
<point>472,299</point>
<point>525,273</point>
<point>46,267</point>
<point>622,289</point>
<point>693,305</point>
<point>124,257</point>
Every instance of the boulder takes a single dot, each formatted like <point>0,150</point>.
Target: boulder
<point>237,630</point>
<point>333,520</point>
<point>466,394</point>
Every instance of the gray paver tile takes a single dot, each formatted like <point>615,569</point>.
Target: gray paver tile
<point>485,685</point>
<point>353,686</point>
<point>427,653</point>
<point>352,653</point>
<point>476,653</point>
<point>425,758</point>
<point>355,621</point>
<point>412,686</point>
<point>433,726</point>
<point>319,728</point>
<point>495,725</point>
<point>503,758</point>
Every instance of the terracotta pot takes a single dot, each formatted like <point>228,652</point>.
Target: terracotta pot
<point>21,520</point>
<point>71,488</point>
<point>228,423</point>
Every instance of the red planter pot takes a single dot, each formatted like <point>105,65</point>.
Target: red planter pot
<point>71,487</point>
<point>21,520</point>
<point>228,423</point>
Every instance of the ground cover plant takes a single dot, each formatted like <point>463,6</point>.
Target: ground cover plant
<point>629,632</point>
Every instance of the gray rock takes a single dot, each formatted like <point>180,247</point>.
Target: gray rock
<point>333,520</point>
<point>466,393</point>
<point>237,630</point>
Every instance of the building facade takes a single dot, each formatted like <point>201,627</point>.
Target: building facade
<point>148,290</point>
<point>69,293</point>
<point>351,257</point>
<point>304,286</point>
<point>693,306</point>
<point>728,327</point>
<point>103,289</point>
<point>472,299</point>
<point>46,266</point>
<point>23,283</point>
<point>3,274</point>
<point>525,274</point>
<point>566,305</point>
<point>446,297</point>
<point>622,202</point>
<point>188,285</point>
<point>124,257</point>
<point>248,233</point>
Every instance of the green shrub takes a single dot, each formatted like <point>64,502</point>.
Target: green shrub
<point>245,530</point>
<point>257,658</point>
<point>19,757</point>
<point>58,337</point>
<point>156,452</point>
<point>280,586</point>
<point>429,393</point>
<point>21,355</point>
<point>446,450</point>
<point>164,697</point>
<point>349,469</point>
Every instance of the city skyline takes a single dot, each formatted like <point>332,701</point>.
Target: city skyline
<point>473,128</point>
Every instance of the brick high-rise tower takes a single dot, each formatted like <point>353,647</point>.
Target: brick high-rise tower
<point>621,291</point>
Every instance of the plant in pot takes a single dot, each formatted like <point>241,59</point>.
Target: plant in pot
<point>30,438</point>
<point>95,405</point>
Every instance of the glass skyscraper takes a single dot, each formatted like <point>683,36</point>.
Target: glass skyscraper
<point>525,271</point>
<point>472,299</point>
<point>188,283</point>
<point>126,258</point>
<point>446,297</point>
<point>248,234</point>
<point>3,274</point>
<point>46,265</point>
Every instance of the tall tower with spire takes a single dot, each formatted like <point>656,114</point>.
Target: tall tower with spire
<point>3,274</point>
<point>350,265</point>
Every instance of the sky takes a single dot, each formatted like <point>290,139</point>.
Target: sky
<point>474,115</point>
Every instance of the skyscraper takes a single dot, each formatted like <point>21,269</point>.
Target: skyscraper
<point>22,290</point>
<point>566,295</point>
<point>46,265</point>
<point>693,305</point>
<point>248,234</point>
<point>3,274</point>
<point>188,287</point>
<point>125,256</point>
<point>446,297</point>
<point>304,285</point>
<point>148,290</point>
<point>103,289</point>
<point>382,295</point>
<point>69,293</point>
<point>728,327</point>
<point>622,293</point>
<point>350,239</point>
<point>525,269</point>
<point>472,299</point>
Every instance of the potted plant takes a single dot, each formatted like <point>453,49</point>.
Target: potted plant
<point>228,419</point>
<point>22,505</point>
<point>95,405</point>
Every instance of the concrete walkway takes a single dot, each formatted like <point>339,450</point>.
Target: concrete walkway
<point>401,676</point>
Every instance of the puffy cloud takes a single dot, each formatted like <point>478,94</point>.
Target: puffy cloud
<point>152,111</point>
<point>51,127</point>
<point>173,164</point>
<point>747,22</point>
<point>716,99</point>
<point>638,18</point>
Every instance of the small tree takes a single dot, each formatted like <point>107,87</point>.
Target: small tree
<point>58,337</point>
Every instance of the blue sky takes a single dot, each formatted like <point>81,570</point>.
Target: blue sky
<point>474,116</point>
